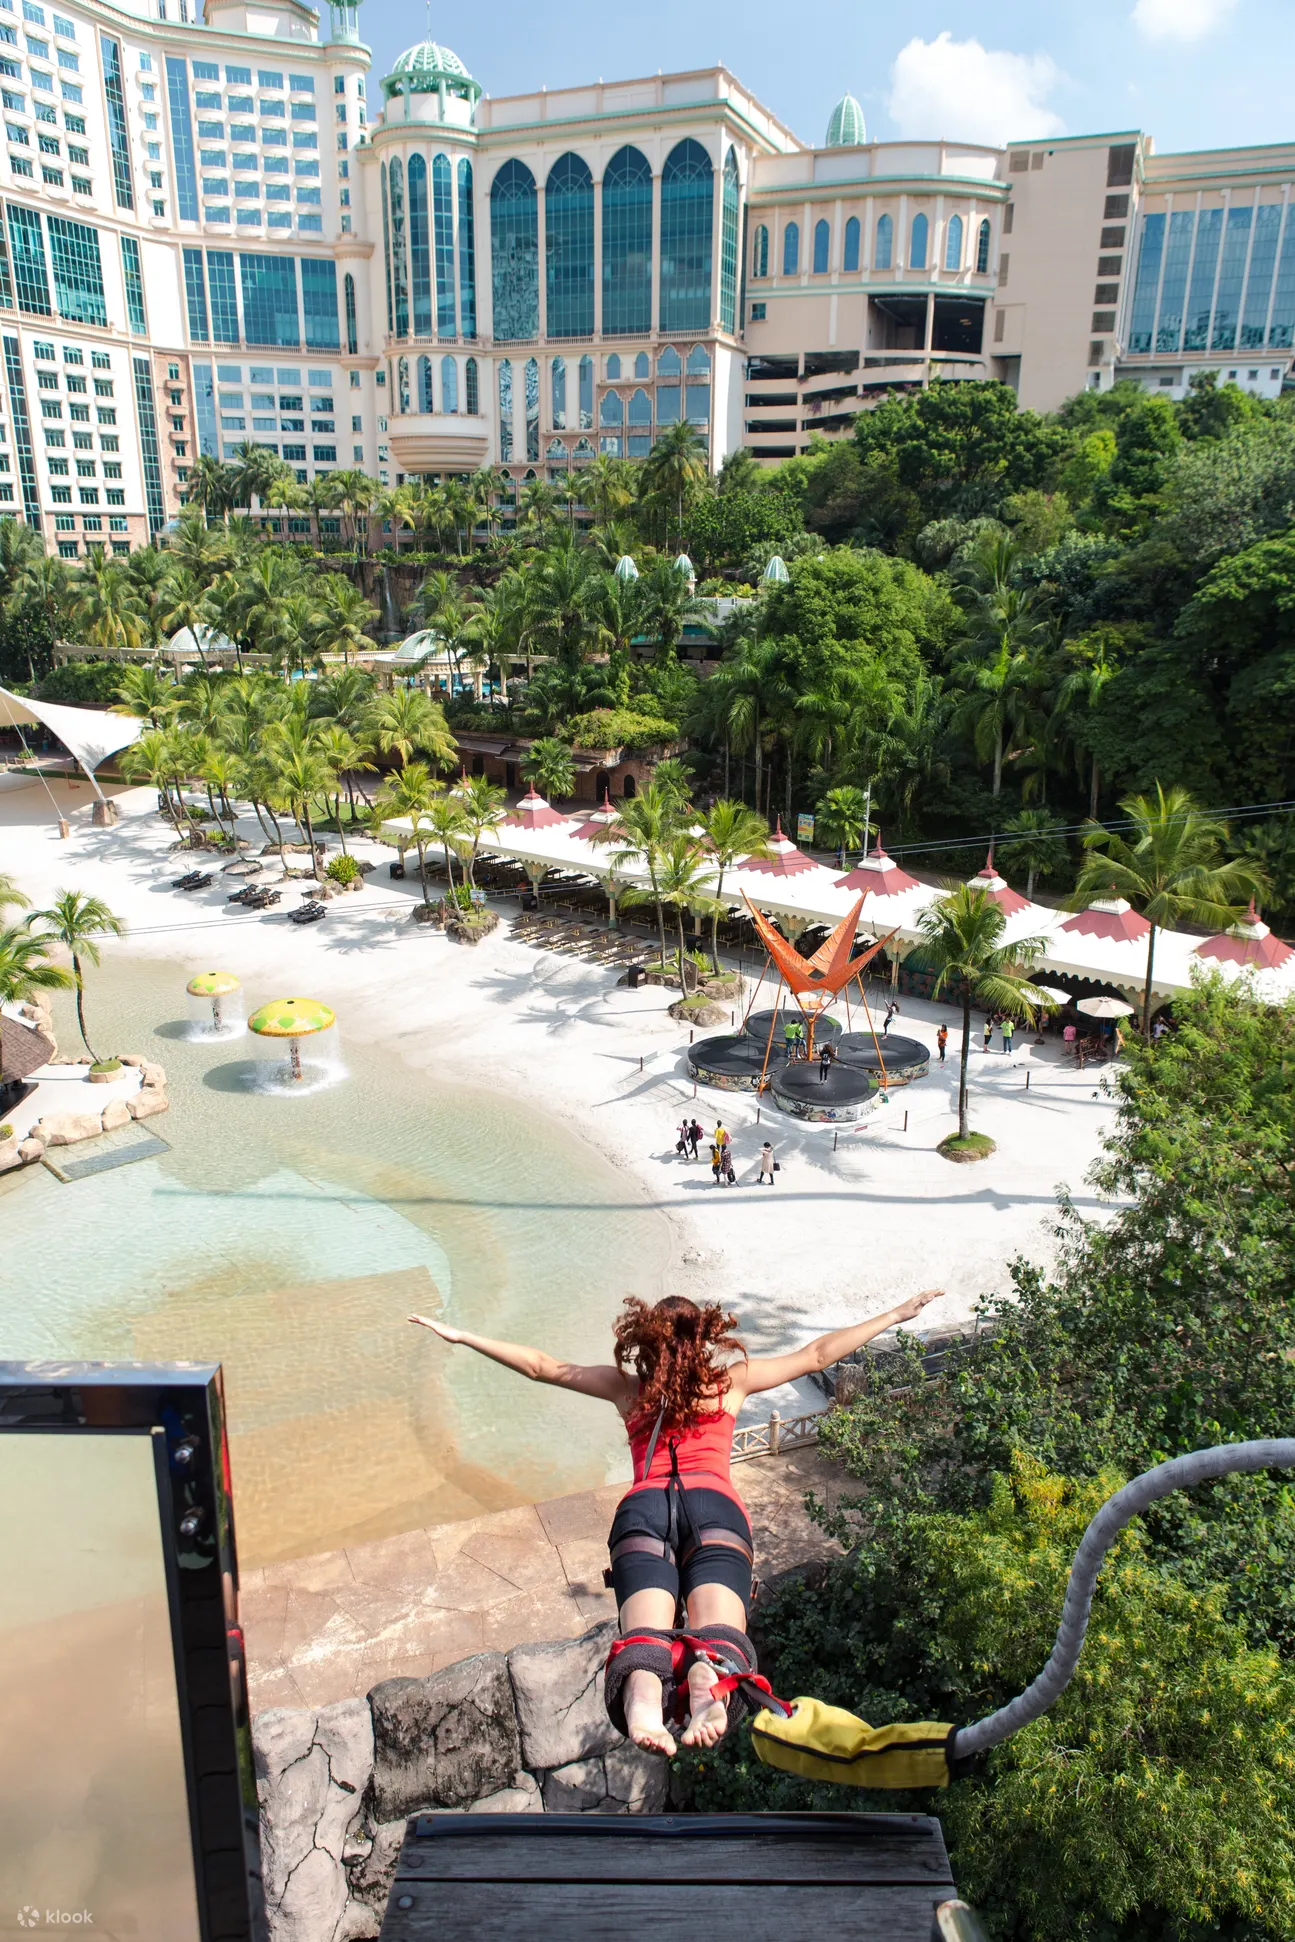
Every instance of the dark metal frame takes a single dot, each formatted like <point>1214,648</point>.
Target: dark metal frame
<point>181,1407</point>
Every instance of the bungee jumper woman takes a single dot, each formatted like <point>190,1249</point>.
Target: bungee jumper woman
<point>680,1541</point>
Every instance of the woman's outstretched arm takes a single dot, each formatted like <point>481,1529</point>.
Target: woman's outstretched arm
<point>769,1371</point>
<point>604,1381</point>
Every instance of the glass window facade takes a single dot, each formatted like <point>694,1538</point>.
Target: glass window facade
<point>471,389</point>
<point>149,446</point>
<point>1214,281</point>
<point>223,293</point>
<point>791,249</point>
<point>918,242</point>
<point>822,247</point>
<point>953,244</point>
<point>585,386</point>
<point>119,140</point>
<point>760,254</point>
<point>449,385</point>
<point>425,399</point>
<point>195,296</point>
<point>204,411</point>
<point>514,253</point>
<point>1200,295</point>
<point>558,393</point>
<point>399,260</point>
<point>443,232</point>
<point>505,406</point>
<point>1173,282</point>
<point>569,248</point>
<point>319,303</point>
<point>352,322</point>
<point>132,276</point>
<point>851,260</point>
<point>467,252</point>
<point>186,173</point>
<point>27,247</point>
<point>1146,284</point>
<point>532,409</point>
<point>1259,278</point>
<point>22,432</point>
<point>627,243</point>
<point>1232,269</point>
<point>386,249</point>
<point>78,272</point>
<point>420,247</point>
<point>885,243</point>
<point>686,238</point>
<point>983,239</point>
<point>270,314</point>
<point>1281,326</point>
<point>728,220</point>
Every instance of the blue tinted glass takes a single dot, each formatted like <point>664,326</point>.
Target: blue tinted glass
<point>1232,269</point>
<point>1259,279</point>
<point>443,236</point>
<point>224,296</point>
<point>1200,297</point>
<point>420,247</point>
<point>186,174</point>
<point>852,244</point>
<point>686,223</point>
<point>399,262</point>
<point>133,279</point>
<point>1173,281</point>
<point>728,212</point>
<point>1142,317</point>
<point>319,303</point>
<point>569,248</point>
<point>515,253</point>
<point>270,313</point>
<point>627,243</point>
<point>149,446</point>
<point>117,133</point>
<point>467,256</point>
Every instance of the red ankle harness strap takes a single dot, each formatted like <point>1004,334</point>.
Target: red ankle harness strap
<point>685,1650</point>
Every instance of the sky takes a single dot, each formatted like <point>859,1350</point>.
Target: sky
<point>1192,73</point>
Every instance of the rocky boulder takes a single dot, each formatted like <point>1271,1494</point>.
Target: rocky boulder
<point>151,1074</point>
<point>559,1693</point>
<point>30,1150</point>
<point>312,1772</point>
<point>65,1129</point>
<point>115,1113</point>
<point>445,1740</point>
<point>625,1781</point>
<point>147,1101</point>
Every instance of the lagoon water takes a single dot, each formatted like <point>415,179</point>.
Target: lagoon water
<point>287,1233</point>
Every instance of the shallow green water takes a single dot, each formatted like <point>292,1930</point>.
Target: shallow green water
<point>288,1233</point>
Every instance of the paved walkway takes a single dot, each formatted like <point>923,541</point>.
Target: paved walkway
<point>330,1627</point>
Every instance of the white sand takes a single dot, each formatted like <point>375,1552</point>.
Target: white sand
<point>843,1234</point>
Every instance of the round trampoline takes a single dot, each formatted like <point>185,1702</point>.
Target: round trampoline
<point>844,1092</point>
<point>905,1059</point>
<point>731,1061</point>
<point>756,1026</point>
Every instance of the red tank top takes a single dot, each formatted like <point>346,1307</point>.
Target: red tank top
<point>703,1452</point>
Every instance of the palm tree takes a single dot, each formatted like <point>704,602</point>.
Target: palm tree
<point>406,719</point>
<point>962,943</point>
<point>565,603</point>
<point>731,831</point>
<point>1170,871</point>
<point>482,804</point>
<point>642,829</point>
<point>107,607</point>
<point>25,969</point>
<point>607,488</point>
<point>675,470</point>
<point>199,549</point>
<point>355,493</point>
<point>1078,697</point>
<point>548,766</point>
<point>210,485</point>
<point>344,756</point>
<point>342,615</point>
<point>149,759</point>
<point>682,880</point>
<point>446,820</point>
<point>147,694</point>
<point>301,772</point>
<point>1035,844</point>
<point>411,794</point>
<point>76,921</point>
<point>41,585</point>
<point>667,604</point>
<point>842,816</point>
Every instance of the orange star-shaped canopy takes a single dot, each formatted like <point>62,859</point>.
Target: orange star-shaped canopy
<point>831,968</point>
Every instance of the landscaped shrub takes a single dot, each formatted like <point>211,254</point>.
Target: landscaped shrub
<point>621,728</point>
<point>343,869</point>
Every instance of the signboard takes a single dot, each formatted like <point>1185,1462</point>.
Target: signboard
<point>478,896</point>
<point>804,829</point>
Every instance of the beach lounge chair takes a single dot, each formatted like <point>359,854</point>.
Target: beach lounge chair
<point>262,899</point>
<point>196,880</point>
<point>309,913</point>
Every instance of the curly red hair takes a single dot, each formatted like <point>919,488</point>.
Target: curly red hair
<point>671,1347</point>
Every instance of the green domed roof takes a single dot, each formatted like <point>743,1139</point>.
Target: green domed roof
<point>846,129</point>
<point>426,69</point>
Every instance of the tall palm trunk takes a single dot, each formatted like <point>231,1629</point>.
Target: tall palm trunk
<point>1146,993</point>
<point>80,1006</point>
<point>310,836</point>
<point>998,761</point>
<point>683,962</point>
<point>714,922</point>
<point>422,869</point>
<point>1094,784</point>
<point>962,1069</point>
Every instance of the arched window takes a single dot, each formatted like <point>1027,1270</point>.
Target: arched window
<point>584,450</point>
<point>640,410</point>
<point>611,411</point>
<point>614,365</point>
<point>885,243</point>
<point>505,408</point>
<point>699,362</point>
<point>687,201</point>
<point>627,242</point>
<point>569,248</point>
<point>822,247</point>
<point>467,252</point>
<point>728,207</point>
<point>471,389</point>
<point>386,245</point>
<point>443,232</point>
<point>852,243</point>
<point>791,249</point>
<point>982,247</point>
<point>669,364</point>
<point>515,253</point>
<point>399,262</point>
<point>558,390</point>
<point>449,385</point>
<point>917,243</point>
<point>586,389</point>
<point>760,254</point>
<point>425,399</point>
<point>420,248</point>
<point>953,244</point>
<point>402,385</point>
<point>532,408</point>
<point>352,324</point>
<point>642,365</point>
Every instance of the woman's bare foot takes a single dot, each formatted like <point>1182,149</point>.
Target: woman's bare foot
<point>644,1720</point>
<point>708,1718</point>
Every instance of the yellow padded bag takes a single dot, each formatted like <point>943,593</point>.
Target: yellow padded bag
<point>821,1742</point>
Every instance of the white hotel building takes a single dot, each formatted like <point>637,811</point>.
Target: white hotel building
<point>219,231</point>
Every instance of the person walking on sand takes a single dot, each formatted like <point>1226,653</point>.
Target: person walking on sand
<point>681,1144</point>
<point>694,1138</point>
<point>1009,1031</point>
<point>942,1041</point>
<point>716,1160</point>
<point>721,1133</point>
<point>989,1032</point>
<point>678,1377</point>
<point>767,1164</point>
<point>730,1175</point>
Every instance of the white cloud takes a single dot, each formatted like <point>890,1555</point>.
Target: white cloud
<point>1180,19</point>
<point>959,89</point>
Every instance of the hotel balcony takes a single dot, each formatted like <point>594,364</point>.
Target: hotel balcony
<point>428,441</point>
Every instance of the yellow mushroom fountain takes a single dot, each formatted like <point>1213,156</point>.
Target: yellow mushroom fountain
<point>217,986</point>
<point>292,1019</point>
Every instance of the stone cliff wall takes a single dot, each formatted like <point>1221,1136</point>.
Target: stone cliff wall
<point>522,1732</point>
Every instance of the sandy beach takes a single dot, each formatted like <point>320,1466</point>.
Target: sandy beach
<point>844,1233</point>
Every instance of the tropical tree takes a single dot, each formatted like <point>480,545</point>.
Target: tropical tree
<point>210,486</point>
<point>681,879</point>
<point>77,922</point>
<point>342,614</point>
<point>107,608</point>
<point>842,817</point>
<point>549,766</point>
<point>301,772</point>
<point>447,822</point>
<point>482,804</point>
<point>675,472</point>
<point>1169,868</point>
<point>1035,843</point>
<point>25,969</point>
<point>146,693</point>
<point>411,795</point>
<point>406,719</point>
<point>344,756</point>
<point>962,943</point>
<point>666,604</point>
<point>642,830</point>
<point>730,831</point>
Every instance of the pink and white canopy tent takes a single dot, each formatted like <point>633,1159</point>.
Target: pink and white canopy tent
<point>91,735</point>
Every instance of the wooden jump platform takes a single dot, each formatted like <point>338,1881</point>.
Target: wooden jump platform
<point>586,1877</point>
